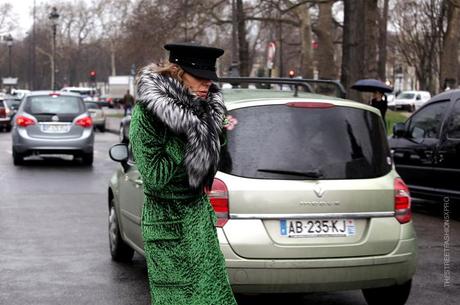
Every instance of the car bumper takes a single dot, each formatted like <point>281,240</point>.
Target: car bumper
<point>5,121</point>
<point>24,144</point>
<point>98,122</point>
<point>313,275</point>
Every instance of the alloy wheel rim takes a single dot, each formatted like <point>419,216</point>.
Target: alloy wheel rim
<point>113,229</point>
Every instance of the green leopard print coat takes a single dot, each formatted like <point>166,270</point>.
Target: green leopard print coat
<point>176,145</point>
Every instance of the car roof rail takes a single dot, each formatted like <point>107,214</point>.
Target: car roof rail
<point>320,86</point>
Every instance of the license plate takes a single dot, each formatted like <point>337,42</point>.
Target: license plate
<point>317,227</point>
<point>55,128</point>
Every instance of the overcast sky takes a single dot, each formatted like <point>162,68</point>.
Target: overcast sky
<point>23,10</point>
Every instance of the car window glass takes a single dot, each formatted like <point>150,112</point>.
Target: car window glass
<point>281,142</point>
<point>13,104</point>
<point>92,106</point>
<point>453,125</point>
<point>408,96</point>
<point>427,122</point>
<point>54,104</point>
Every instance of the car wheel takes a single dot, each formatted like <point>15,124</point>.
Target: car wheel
<point>119,250</point>
<point>88,158</point>
<point>8,128</point>
<point>102,128</point>
<point>411,108</point>
<point>18,158</point>
<point>395,295</point>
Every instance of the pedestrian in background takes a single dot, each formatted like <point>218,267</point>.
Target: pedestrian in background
<point>128,102</point>
<point>379,101</point>
<point>175,136</point>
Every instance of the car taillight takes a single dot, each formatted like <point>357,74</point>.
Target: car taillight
<point>403,211</point>
<point>310,105</point>
<point>2,111</point>
<point>85,122</point>
<point>24,121</point>
<point>218,196</point>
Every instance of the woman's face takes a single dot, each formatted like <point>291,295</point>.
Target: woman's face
<point>197,85</point>
<point>377,95</point>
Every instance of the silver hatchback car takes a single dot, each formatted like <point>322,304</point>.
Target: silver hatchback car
<point>307,199</point>
<point>50,122</point>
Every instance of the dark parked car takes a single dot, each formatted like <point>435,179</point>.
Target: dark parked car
<point>426,148</point>
<point>8,107</point>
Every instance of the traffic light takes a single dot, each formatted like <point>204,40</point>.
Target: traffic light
<point>291,73</point>
<point>92,76</point>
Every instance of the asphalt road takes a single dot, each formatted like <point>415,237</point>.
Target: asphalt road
<point>54,245</point>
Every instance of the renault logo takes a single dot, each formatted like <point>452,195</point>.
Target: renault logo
<point>319,191</point>
<point>55,118</point>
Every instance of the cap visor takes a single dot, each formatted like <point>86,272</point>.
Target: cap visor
<point>204,74</point>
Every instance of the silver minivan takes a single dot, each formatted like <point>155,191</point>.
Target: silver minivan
<point>307,199</point>
<point>49,122</point>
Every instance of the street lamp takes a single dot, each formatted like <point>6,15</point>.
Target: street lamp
<point>9,43</point>
<point>53,16</point>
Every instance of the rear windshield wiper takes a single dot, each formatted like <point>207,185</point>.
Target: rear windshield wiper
<point>310,174</point>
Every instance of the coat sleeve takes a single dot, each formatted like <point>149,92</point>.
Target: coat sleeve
<point>156,152</point>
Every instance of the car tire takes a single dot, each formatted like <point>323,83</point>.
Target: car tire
<point>18,158</point>
<point>102,128</point>
<point>395,295</point>
<point>8,128</point>
<point>119,250</point>
<point>411,108</point>
<point>88,158</point>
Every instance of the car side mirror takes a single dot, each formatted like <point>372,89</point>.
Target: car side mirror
<point>119,153</point>
<point>399,130</point>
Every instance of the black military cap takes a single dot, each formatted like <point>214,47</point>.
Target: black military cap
<point>195,59</point>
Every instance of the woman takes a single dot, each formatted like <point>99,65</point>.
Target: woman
<point>379,101</point>
<point>175,136</point>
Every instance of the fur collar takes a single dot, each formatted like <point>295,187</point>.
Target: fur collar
<point>184,113</point>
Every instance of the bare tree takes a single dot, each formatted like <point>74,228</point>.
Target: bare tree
<point>449,62</point>
<point>324,31</point>
<point>112,18</point>
<point>419,35</point>
<point>382,44</point>
<point>243,44</point>
<point>7,18</point>
<point>306,56</point>
<point>353,45</point>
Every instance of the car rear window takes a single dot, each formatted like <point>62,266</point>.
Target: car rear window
<point>54,104</point>
<point>83,92</point>
<point>281,142</point>
<point>92,106</point>
<point>13,104</point>
<point>408,96</point>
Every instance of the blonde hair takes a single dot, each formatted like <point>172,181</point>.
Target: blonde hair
<point>170,69</point>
